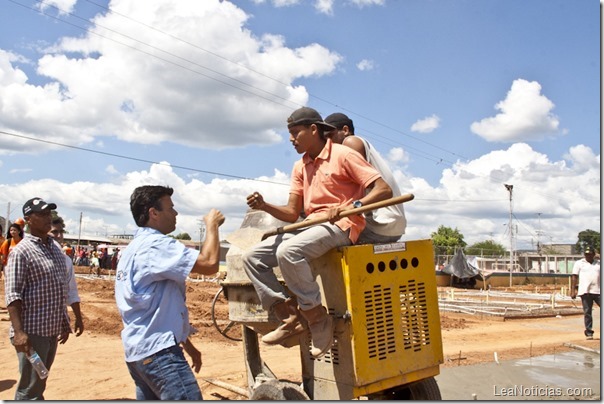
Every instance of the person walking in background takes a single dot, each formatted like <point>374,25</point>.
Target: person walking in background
<point>328,179</point>
<point>14,236</point>
<point>585,282</point>
<point>384,225</point>
<point>94,262</point>
<point>57,230</point>
<point>35,293</point>
<point>150,292</point>
<point>114,259</point>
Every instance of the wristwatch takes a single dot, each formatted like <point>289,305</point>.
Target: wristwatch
<point>357,204</point>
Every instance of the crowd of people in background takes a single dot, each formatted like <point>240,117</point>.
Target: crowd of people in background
<point>95,257</point>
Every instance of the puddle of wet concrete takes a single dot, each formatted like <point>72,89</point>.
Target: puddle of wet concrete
<point>573,375</point>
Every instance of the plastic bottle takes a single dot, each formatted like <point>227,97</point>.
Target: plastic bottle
<point>37,364</point>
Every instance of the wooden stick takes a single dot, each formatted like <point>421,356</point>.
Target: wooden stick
<point>354,211</point>
<point>227,386</point>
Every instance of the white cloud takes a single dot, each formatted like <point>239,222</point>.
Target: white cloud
<point>526,115</point>
<point>362,3</point>
<point>20,170</point>
<point>426,125</point>
<point>279,3</point>
<point>397,156</point>
<point>365,65</point>
<point>60,6</point>
<point>145,86</point>
<point>582,158</point>
<point>324,6</point>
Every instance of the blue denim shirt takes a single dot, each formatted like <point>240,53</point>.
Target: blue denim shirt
<point>150,293</point>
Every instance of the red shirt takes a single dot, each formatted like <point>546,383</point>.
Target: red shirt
<point>337,176</point>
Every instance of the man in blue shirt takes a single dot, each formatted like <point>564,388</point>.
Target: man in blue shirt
<point>150,294</point>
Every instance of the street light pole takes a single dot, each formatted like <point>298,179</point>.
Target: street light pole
<point>510,188</point>
<point>79,234</point>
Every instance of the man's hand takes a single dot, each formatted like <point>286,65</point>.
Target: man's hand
<point>21,342</point>
<point>194,354</point>
<point>213,218</point>
<point>78,329</point>
<point>333,213</point>
<point>63,337</point>
<point>255,201</point>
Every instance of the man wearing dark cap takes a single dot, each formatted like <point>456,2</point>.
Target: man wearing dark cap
<point>585,282</point>
<point>328,179</point>
<point>35,292</point>
<point>385,225</point>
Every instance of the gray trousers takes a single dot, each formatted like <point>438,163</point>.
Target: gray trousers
<point>292,252</point>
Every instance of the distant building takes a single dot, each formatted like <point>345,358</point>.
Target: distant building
<point>562,249</point>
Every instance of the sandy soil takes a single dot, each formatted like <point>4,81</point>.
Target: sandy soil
<point>92,367</point>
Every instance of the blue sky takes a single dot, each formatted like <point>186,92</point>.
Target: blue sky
<point>461,97</point>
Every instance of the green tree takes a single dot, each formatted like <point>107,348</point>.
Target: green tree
<point>588,237</point>
<point>445,240</point>
<point>487,247</point>
<point>183,236</point>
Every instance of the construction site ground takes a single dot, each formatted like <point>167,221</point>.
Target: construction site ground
<point>481,339</point>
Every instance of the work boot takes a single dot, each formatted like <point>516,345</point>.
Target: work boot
<point>287,312</point>
<point>321,330</point>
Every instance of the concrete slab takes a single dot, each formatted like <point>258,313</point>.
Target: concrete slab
<point>571,375</point>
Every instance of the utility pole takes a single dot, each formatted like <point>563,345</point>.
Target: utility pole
<point>510,188</point>
<point>539,240</point>
<point>79,234</point>
<point>539,233</point>
<point>7,217</point>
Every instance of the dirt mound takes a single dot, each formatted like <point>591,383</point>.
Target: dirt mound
<point>102,317</point>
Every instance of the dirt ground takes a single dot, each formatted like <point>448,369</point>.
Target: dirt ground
<point>91,367</point>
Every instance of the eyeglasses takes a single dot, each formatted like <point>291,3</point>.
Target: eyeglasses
<point>57,232</point>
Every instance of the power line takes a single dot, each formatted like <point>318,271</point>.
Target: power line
<point>139,159</point>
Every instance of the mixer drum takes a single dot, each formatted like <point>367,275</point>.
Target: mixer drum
<point>244,304</point>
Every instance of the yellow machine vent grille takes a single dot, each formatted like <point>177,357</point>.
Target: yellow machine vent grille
<point>414,315</point>
<point>380,322</point>
<point>333,354</point>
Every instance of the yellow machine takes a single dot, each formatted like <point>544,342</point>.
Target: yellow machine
<point>387,341</point>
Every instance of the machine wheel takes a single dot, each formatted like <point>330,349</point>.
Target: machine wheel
<point>423,390</point>
<point>275,390</point>
<point>225,327</point>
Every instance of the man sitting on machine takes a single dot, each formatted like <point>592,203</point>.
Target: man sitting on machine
<point>328,179</point>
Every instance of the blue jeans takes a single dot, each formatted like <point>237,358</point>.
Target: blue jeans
<point>165,375</point>
<point>30,386</point>
<point>587,301</point>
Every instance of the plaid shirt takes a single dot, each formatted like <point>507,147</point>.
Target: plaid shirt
<point>36,275</point>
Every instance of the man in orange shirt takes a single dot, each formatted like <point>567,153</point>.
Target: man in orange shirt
<point>328,179</point>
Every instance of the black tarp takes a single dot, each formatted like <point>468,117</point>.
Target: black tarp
<point>462,272</point>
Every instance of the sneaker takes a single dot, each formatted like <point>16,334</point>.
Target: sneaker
<point>589,337</point>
